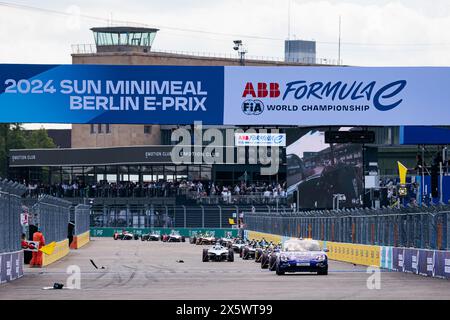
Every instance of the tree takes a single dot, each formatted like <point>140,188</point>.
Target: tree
<point>13,136</point>
<point>39,139</point>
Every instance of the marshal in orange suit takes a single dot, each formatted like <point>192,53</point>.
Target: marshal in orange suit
<point>36,260</point>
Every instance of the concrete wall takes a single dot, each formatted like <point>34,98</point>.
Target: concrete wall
<point>80,240</point>
<point>167,59</point>
<point>61,250</point>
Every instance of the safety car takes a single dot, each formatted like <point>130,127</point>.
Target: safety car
<point>301,255</point>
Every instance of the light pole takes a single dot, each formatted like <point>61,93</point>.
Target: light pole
<point>239,47</point>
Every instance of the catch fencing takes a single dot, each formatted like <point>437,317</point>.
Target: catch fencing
<point>168,216</point>
<point>52,215</point>
<point>411,227</point>
<point>10,210</point>
<point>81,218</point>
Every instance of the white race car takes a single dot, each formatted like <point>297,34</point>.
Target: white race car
<point>238,244</point>
<point>125,235</point>
<point>174,236</point>
<point>218,253</point>
<point>152,236</point>
<point>206,239</point>
<point>226,241</point>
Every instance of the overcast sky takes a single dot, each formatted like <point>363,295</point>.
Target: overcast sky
<point>374,32</point>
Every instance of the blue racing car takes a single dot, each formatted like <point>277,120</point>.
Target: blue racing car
<point>298,255</point>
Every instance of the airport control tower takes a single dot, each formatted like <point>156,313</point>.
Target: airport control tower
<point>124,39</point>
<point>122,46</point>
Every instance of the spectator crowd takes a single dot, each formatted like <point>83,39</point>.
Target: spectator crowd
<point>192,189</point>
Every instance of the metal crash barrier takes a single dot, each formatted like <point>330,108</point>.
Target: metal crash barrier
<point>169,216</point>
<point>11,254</point>
<point>80,220</point>
<point>412,240</point>
<point>416,227</point>
<point>52,216</point>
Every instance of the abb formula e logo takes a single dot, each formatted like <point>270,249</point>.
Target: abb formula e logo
<point>330,96</point>
<point>260,139</point>
<point>263,90</point>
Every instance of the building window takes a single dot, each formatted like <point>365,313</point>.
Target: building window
<point>100,128</point>
<point>107,128</point>
<point>92,128</point>
<point>148,129</point>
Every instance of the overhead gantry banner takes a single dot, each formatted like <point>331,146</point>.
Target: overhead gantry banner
<point>224,95</point>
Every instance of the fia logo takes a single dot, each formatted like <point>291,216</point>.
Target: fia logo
<point>252,107</point>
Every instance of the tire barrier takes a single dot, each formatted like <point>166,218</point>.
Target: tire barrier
<point>109,232</point>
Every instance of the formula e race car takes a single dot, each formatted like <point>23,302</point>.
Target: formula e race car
<point>237,245</point>
<point>125,235</point>
<point>261,247</point>
<point>152,236</point>
<point>301,256</point>
<point>226,241</point>
<point>248,251</point>
<point>204,239</point>
<point>174,236</point>
<point>218,253</point>
<point>268,257</point>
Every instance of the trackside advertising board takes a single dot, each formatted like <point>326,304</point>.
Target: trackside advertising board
<point>224,95</point>
<point>336,96</point>
<point>111,94</point>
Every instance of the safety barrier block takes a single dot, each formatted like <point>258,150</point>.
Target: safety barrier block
<point>80,240</point>
<point>360,254</point>
<point>431,263</point>
<point>386,257</point>
<point>60,251</point>
<point>259,235</point>
<point>11,266</point>
<point>441,264</point>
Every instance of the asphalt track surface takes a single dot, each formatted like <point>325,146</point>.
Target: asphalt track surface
<point>149,270</point>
